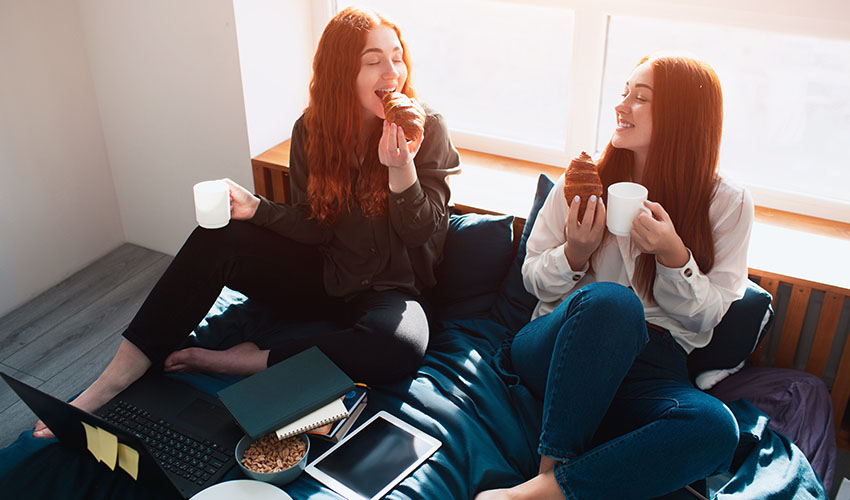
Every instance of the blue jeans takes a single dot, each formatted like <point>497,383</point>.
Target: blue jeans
<point>619,411</point>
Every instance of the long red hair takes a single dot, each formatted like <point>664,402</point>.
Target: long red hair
<point>681,163</point>
<point>334,123</point>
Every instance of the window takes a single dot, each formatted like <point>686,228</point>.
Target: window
<point>786,106</point>
<point>499,71</point>
<point>538,80</point>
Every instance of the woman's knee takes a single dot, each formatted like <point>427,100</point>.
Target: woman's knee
<point>210,243</point>
<point>716,432</point>
<point>610,312</point>
<point>610,299</point>
<point>400,337</point>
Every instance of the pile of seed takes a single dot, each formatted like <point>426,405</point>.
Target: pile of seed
<point>270,454</point>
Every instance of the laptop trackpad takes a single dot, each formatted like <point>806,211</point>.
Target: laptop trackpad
<point>204,415</point>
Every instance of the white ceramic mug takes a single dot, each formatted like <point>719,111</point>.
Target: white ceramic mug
<point>625,201</point>
<point>212,204</point>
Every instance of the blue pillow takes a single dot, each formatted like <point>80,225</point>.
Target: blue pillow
<point>737,335</point>
<point>476,255</point>
<point>514,305</point>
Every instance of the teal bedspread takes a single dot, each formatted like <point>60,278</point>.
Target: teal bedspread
<point>462,395</point>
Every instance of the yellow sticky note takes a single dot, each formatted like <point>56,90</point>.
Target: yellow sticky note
<point>108,448</point>
<point>128,459</point>
<point>92,440</point>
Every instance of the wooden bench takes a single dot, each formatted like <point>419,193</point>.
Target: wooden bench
<point>816,288</point>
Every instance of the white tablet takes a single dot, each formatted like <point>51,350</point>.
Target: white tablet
<point>369,462</point>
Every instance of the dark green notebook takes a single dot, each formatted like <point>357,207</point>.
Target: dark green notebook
<point>283,392</point>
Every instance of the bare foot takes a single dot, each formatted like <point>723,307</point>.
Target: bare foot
<point>242,359</point>
<point>500,494</point>
<point>128,364</point>
<point>540,487</point>
<point>547,464</point>
<point>41,431</point>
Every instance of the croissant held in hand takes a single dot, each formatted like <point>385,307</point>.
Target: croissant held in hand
<point>404,112</point>
<point>581,178</point>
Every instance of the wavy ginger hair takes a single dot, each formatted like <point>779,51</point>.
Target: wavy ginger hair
<point>681,164</point>
<point>334,121</point>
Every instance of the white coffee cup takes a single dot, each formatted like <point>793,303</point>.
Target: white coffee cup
<point>625,201</point>
<point>212,204</point>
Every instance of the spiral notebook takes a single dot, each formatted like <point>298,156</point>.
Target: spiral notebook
<point>327,414</point>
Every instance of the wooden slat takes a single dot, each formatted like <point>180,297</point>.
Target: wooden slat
<point>260,186</point>
<point>824,333</point>
<point>842,436</point>
<point>770,285</point>
<point>792,326</point>
<point>278,187</point>
<point>841,387</point>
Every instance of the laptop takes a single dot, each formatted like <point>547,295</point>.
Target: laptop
<point>184,437</point>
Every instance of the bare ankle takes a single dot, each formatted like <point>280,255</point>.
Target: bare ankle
<point>128,364</point>
<point>547,464</point>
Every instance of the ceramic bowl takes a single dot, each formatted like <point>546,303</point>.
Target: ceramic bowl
<point>279,478</point>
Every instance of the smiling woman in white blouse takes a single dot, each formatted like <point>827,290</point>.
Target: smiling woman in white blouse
<point>606,349</point>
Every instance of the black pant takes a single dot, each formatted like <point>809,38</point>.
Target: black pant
<point>381,335</point>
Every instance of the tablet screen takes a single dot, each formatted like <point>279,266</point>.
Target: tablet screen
<point>376,457</point>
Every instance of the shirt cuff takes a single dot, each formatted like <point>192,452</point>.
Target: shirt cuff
<point>263,213</point>
<point>687,272</point>
<point>562,265</point>
<point>408,196</point>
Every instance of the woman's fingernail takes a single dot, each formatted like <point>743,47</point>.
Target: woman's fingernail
<point>576,199</point>
<point>593,198</point>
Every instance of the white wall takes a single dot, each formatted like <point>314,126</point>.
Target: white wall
<point>275,54</point>
<point>111,111</point>
<point>166,74</point>
<point>58,209</point>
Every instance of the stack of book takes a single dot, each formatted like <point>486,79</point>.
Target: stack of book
<point>354,403</point>
<point>298,394</point>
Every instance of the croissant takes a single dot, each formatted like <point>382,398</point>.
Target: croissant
<point>404,112</point>
<point>581,178</point>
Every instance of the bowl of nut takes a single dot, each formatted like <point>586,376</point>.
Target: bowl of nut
<point>273,460</point>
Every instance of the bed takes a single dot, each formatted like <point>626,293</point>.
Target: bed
<point>466,395</point>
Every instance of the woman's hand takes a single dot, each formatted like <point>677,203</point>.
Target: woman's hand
<point>584,237</point>
<point>655,234</point>
<point>243,203</point>
<point>393,150</point>
<point>397,154</point>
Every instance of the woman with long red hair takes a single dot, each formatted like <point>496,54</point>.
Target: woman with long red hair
<point>617,315</point>
<point>357,246</point>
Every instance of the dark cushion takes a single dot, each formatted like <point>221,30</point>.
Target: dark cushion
<point>737,335</point>
<point>514,305</point>
<point>476,255</point>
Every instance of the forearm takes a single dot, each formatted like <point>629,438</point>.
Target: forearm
<point>290,221</point>
<point>419,211</point>
<point>401,178</point>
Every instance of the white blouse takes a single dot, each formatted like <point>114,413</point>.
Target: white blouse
<point>688,302</point>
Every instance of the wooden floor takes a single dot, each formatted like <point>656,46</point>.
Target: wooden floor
<point>61,340</point>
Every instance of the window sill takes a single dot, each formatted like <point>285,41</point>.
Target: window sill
<point>782,243</point>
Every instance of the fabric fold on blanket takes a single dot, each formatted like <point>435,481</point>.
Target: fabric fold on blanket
<point>463,394</point>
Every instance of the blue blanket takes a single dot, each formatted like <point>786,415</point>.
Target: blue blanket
<point>463,394</point>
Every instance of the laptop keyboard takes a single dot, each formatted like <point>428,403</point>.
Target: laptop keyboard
<point>178,453</point>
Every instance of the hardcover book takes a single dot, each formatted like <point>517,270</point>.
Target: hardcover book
<point>285,392</point>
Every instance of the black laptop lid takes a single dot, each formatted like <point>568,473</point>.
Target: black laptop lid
<point>65,422</point>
